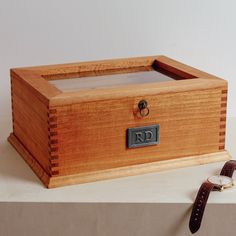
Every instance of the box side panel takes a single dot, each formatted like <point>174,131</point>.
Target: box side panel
<point>92,136</point>
<point>30,122</point>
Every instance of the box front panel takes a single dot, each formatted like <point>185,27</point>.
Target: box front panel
<point>92,135</point>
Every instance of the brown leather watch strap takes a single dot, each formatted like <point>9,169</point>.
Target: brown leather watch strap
<point>228,168</point>
<point>199,206</point>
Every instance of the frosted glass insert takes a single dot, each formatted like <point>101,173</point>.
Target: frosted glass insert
<point>111,80</point>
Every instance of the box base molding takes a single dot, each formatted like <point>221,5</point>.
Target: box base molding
<point>58,181</point>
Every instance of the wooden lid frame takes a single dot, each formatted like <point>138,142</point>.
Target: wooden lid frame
<point>35,78</point>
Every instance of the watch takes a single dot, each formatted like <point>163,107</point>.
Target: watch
<point>216,182</point>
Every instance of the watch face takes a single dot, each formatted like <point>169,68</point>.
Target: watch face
<point>220,180</point>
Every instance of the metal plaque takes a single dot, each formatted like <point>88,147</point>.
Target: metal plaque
<point>143,136</point>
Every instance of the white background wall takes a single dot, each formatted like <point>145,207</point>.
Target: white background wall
<point>200,33</point>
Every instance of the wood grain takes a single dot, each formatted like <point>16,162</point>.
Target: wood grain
<point>30,122</point>
<point>92,135</point>
<point>59,181</point>
<point>73,137</point>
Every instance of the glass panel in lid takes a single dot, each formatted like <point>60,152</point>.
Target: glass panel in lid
<point>104,79</point>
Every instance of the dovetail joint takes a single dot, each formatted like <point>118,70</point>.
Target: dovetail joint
<point>53,142</point>
<point>222,127</point>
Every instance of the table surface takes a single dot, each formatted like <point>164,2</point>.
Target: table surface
<point>18,183</point>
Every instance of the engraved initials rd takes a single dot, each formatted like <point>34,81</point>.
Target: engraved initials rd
<point>143,137</point>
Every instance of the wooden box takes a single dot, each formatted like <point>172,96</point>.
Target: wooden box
<point>82,122</point>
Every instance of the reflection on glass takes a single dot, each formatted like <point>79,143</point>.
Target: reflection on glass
<point>110,80</point>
